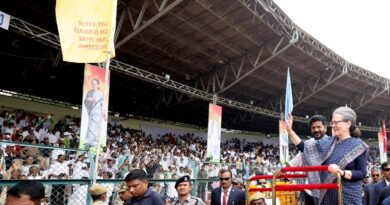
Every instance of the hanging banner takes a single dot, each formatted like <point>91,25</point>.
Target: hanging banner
<point>382,139</point>
<point>86,29</point>
<point>4,20</point>
<point>283,143</point>
<point>95,108</point>
<point>214,133</point>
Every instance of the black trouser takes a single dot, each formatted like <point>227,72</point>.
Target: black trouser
<point>309,200</point>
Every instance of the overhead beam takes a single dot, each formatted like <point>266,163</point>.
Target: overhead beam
<point>138,27</point>
<point>222,15</point>
<point>207,31</point>
<point>257,64</point>
<point>34,32</point>
<point>180,38</point>
<point>377,92</point>
<point>317,87</point>
<point>173,52</point>
<point>228,74</point>
<point>276,19</point>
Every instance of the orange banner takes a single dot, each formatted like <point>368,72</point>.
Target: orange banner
<point>214,133</point>
<point>95,107</point>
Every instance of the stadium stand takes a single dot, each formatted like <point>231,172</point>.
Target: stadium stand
<point>34,147</point>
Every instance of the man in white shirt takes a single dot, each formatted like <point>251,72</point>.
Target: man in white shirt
<point>164,163</point>
<point>56,152</point>
<point>34,173</point>
<point>171,190</point>
<point>58,170</point>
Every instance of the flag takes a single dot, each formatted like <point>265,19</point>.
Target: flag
<point>4,20</point>
<point>382,139</point>
<point>288,101</point>
<point>283,135</point>
<point>283,143</point>
<point>86,29</point>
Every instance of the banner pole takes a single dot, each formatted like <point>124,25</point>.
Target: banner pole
<point>107,67</point>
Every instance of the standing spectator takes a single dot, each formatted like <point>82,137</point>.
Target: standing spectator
<point>34,173</point>
<point>238,184</point>
<point>369,188</point>
<point>137,182</point>
<point>26,192</point>
<point>385,167</point>
<point>202,174</point>
<point>58,170</point>
<point>226,193</point>
<point>171,191</point>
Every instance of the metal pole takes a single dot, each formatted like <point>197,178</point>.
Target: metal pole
<point>340,189</point>
<point>276,174</point>
<point>107,67</point>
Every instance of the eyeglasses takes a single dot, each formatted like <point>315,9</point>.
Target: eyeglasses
<point>375,175</point>
<point>260,183</point>
<point>386,169</point>
<point>224,179</point>
<point>336,122</point>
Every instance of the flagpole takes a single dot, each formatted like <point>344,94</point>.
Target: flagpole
<point>102,116</point>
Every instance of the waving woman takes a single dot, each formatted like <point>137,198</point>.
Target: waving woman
<point>345,154</point>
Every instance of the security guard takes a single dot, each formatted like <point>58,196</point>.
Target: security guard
<point>122,194</point>
<point>184,187</point>
<point>98,194</point>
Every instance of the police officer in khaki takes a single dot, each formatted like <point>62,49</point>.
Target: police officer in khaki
<point>98,194</point>
<point>184,187</point>
<point>122,194</point>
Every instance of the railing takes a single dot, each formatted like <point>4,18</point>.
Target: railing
<point>280,174</point>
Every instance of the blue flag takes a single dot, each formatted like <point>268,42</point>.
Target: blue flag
<point>288,101</point>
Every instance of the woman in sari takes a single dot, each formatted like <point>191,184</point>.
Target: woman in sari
<point>93,102</point>
<point>345,154</point>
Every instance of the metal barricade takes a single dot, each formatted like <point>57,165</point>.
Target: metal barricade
<point>301,187</point>
<point>265,189</point>
<point>280,174</point>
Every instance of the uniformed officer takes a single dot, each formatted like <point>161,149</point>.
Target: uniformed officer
<point>99,194</point>
<point>184,187</point>
<point>122,194</point>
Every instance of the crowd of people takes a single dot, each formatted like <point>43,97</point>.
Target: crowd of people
<point>166,156</point>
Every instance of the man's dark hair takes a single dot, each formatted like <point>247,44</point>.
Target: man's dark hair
<point>316,118</point>
<point>384,165</point>
<point>96,197</point>
<point>33,189</point>
<point>221,171</point>
<point>136,174</point>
